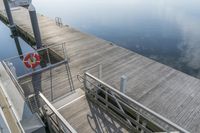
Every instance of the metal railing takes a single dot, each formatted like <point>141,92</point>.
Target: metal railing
<point>47,61</point>
<point>18,88</point>
<point>13,79</point>
<point>58,21</point>
<point>55,120</point>
<point>134,115</point>
<point>51,57</point>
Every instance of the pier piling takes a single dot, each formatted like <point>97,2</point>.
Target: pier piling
<point>35,26</point>
<point>9,14</point>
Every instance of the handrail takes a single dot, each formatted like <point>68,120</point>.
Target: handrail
<point>13,79</point>
<point>19,89</point>
<point>138,104</point>
<point>60,117</point>
<point>41,70</point>
<point>29,72</point>
<point>33,50</point>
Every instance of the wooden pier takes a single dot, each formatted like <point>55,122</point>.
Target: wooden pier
<point>167,91</point>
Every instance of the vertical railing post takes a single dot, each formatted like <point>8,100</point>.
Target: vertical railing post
<point>35,26</point>
<point>49,124</point>
<point>49,59</point>
<point>12,69</point>
<point>100,71</point>
<point>167,129</point>
<point>144,123</point>
<point>48,55</point>
<point>9,14</point>
<point>52,97</point>
<point>106,91</point>
<point>123,83</point>
<point>85,81</point>
<point>59,124</point>
<point>65,52</point>
<point>138,120</point>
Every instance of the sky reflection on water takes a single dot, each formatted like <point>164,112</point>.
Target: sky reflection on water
<point>167,31</point>
<point>7,43</point>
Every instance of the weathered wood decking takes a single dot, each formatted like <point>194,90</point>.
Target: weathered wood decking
<point>165,90</point>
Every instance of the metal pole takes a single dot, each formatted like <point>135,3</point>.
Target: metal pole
<point>50,74</point>
<point>144,123</point>
<point>9,14</point>
<point>100,71</point>
<point>35,26</point>
<point>19,49</point>
<point>49,123</point>
<point>123,83</point>
<point>85,81</point>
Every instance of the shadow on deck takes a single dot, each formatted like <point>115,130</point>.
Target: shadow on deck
<point>87,117</point>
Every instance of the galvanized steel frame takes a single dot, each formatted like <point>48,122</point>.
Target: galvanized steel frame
<point>142,110</point>
<point>59,117</point>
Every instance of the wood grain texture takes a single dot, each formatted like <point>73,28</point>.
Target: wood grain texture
<point>86,117</point>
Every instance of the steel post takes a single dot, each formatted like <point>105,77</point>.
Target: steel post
<point>100,72</point>
<point>9,14</point>
<point>123,83</point>
<point>35,26</point>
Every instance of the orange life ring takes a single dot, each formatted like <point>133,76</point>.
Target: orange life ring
<point>32,60</point>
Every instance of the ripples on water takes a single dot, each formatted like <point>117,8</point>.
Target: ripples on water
<point>165,30</point>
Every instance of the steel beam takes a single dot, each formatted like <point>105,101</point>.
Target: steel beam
<point>9,14</point>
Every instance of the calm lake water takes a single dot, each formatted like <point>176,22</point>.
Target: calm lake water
<point>8,45</point>
<point>165,30</point>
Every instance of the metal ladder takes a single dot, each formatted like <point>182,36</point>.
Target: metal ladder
<point>59,21</point>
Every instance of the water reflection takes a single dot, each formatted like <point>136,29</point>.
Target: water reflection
<point>11,45</point>
<point>19,49</point>
<point>167,31</point>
